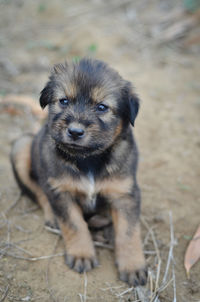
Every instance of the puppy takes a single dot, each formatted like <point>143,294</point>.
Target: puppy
<point>84,161</point>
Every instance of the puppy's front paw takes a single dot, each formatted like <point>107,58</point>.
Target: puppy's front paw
<point>134,278</point>
<point>80,253</point>
<point>132,269</point>
<point>79,264</point>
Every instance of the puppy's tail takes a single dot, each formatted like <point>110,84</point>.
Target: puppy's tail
<point>21,164</point>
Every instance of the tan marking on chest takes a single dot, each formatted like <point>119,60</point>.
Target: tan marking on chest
<point>74,186</point>
<point>112,187</point>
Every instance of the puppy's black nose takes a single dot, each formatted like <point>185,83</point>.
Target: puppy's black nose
<point>75,133</point>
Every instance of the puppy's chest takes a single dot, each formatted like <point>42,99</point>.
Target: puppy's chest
<point>86,188</point>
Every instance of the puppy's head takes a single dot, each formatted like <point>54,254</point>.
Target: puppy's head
<point>90,105</point>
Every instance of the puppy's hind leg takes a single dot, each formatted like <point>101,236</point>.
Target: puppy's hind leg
<point>21,164</point>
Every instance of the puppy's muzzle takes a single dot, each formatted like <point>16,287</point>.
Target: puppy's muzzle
<point>75,133</point>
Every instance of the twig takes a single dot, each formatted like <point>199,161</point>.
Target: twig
<point>125,292</point>
<point>85,287</point>
<point>53,230</point>
<point>33,258</point>
<point>150,252</point>
<point>158,275</point>
<point>8,233</point>
<point>151,284</point>
<point>152,236</point>
<point>5,294</point>
<point>19,228</point>
<point>111,287</point>
<point>83,297</point>
<point>163,287</point>
<point>169,260</point>
<point>143,293</point>
<point>148,233</point>
<point>21,249</point>
<point>6,245</point>
<point>17,298</point>
<point>103,245</point>
<point>13,204</point>
<point>29,210</point>
<point>159,261</point>
<point>170,254</point>
<point>51,293</point>
<point>174,283</point>
<point>23,240</point>
<point>7,222</point>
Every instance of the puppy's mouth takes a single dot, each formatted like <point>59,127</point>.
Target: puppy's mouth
<point>77,150</point>
<point>77,147</point>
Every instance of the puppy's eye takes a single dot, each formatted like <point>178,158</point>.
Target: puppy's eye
<point>102,108</point>
<point>64,102</point>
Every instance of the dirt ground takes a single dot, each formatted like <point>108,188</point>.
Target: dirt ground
<point>131,37</point>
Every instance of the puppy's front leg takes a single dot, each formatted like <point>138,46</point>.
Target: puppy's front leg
<point>80,252</point>
<point>128,248</point>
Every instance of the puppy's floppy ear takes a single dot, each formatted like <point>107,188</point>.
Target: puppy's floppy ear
<point>46,95</point>
<point>132,103</point>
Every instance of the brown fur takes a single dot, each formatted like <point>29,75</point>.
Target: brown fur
<point>110,187</point>
<point>129,259</point>
<point>22,163</point>
<point>83,163</point>
<point>77,239</point>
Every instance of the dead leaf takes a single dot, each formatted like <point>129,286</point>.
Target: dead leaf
<point>192,254</point>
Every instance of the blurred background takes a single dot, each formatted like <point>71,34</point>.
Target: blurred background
<point>36,34</point>
<point>155,44</point>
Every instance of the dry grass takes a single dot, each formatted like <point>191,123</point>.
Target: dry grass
<point>151,293</point>
<point>156,286</point>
